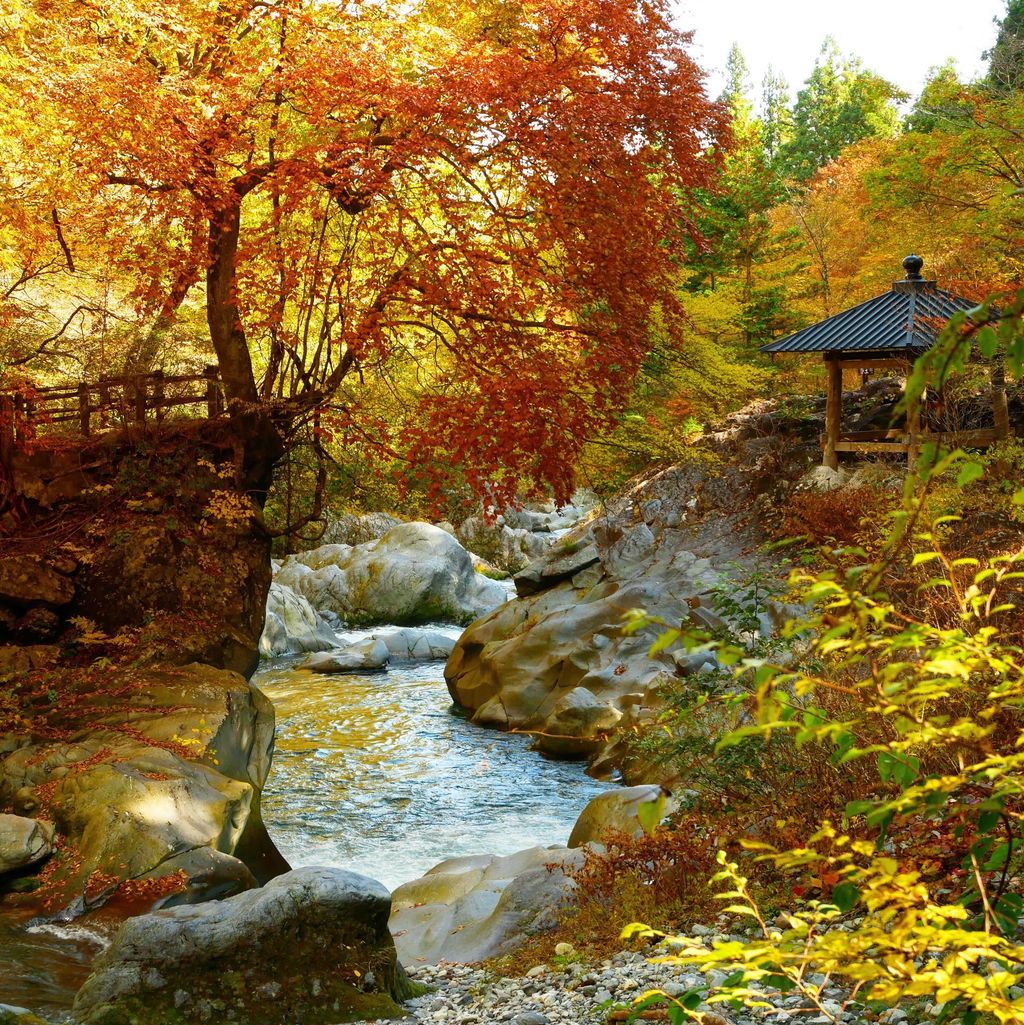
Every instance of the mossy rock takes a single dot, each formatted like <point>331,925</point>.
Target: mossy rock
<point>312,947</point>
<point>18,1016</point>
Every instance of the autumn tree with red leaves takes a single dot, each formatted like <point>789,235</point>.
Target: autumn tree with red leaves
<point>494,191</point>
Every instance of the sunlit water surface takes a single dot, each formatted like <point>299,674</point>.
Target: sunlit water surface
<point>379,774</point>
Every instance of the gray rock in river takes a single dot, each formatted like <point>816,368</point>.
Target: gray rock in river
<point>310,947</point>
<point>369,655</point>
<point>563,563</point>
<point>578,724</point>
<point>616,809</point>
<point>544,517</point>
<point>293,625</point>
<point>472,908</point>
<point>416,573</point>
<point>410,643</point>
<point>11,1015</point>
<point>506,548</point>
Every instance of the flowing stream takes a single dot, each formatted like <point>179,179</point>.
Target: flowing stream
<point>379,774</point>
<point>42,966</point>
<point>374,772</point>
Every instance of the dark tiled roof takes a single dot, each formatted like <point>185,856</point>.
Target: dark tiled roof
<point>908,318</point>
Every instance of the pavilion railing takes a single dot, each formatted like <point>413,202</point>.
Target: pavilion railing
<point>898,440</point>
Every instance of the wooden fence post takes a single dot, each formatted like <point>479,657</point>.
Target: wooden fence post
<point>213,397</point>
<point>140,399</point>
<point>158,394</point>
<point>84,409</point>
<point>6,427</point>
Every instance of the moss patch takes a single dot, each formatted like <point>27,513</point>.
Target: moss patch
<point>10,1018</point>
<point>347,1005</point>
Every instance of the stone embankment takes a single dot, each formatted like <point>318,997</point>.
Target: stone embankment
<point>557,662</point>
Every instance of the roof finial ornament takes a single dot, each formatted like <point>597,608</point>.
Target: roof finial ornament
<point>912,265</point>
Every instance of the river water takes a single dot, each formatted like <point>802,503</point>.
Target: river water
<point>379,774</point>
<point>42,966</point>
<point>376,773</point>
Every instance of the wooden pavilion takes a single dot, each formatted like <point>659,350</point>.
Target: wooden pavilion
<point>889,332</point>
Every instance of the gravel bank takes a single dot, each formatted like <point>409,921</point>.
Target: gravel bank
<point>579,993</point>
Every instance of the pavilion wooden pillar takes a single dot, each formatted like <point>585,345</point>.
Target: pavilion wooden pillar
<point>1000,412</point>
<point>833,412</point>
<point>913,435</point>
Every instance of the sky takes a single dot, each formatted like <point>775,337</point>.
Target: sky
<point>898,40</point>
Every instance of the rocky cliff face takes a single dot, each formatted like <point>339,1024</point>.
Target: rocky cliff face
<point>131,606</point>
<point>183,595</point>
<point>558,662</point>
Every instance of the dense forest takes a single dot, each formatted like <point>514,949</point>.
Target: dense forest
<point>343,342</point>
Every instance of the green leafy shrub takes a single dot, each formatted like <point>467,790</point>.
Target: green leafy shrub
<point>924,872</point>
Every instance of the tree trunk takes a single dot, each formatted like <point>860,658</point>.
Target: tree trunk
<point>142,360</point>
<point>226,330</point>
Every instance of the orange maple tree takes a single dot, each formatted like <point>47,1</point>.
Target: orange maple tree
<point>496,190</point>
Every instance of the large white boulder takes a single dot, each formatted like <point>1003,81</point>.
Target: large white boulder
<point>293,625</point>
<point>416,573</point>
<point>472,908</point>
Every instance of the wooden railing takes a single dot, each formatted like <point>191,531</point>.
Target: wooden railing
<point>84,409</point>
<point>899,440</point>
